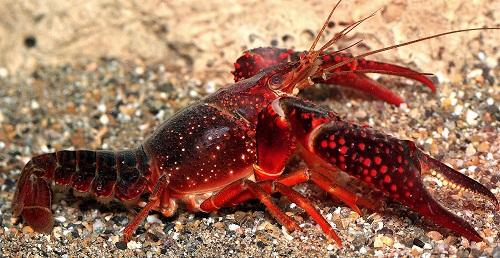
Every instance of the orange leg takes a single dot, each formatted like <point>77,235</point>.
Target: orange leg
<point>154,201</point>
<point>305,175</point>
<point>261,190</point>
<point>231,191</point>
<point>307,206</point>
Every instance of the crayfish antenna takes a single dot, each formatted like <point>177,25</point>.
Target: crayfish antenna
<point>313,45</point>
<point>456,180</point>
<point>340,64</point>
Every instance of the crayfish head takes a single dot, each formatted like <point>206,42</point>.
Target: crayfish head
<point>296,75</point>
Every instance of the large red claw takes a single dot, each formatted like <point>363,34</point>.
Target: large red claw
<point>391,165</point>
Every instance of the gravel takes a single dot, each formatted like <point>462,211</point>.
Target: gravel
<point>114,105</point>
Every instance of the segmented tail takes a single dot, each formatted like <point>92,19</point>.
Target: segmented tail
<point>104,174</point>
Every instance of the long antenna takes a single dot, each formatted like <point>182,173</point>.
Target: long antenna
<point>313,46</point>
<point>402,44</point>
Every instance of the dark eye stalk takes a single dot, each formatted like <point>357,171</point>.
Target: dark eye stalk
<point>276,81</point>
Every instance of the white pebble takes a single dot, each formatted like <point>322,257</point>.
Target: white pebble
<point>458,110</point>
<point>210,87</point>
<point>104,119</point>
<point>34,104</point>
<point>60,219</point>
<point>139,70</point>
<point>101,107</point>
<point>362,250</point>
<point>470,150</point>
<point>98,225</point>
<point>398,245</point>
<point>153,219</point>
<point>233,227</point>
<point>470,117</point>
<point>472,168</point>
<point>3,72</point>
<point>481,55</point>
<point>193,93</point>
<point>491,62</point>
<point>474,73</point>
<point>445,133</point>
<point>134,245</point>
<point>490,101</point>
<point>329,247</point>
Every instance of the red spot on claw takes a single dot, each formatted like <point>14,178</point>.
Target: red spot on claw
<point>343,150</point>
<point>387,179</point>
<point>324,144</point>
<point>341,141</point>
<point>367,162</point>
<point>383,169</point>
<point>394,188</point>
<point>377,160</point>
<point>361,146</point>
<point>332,145</point>
<point>373,172</point>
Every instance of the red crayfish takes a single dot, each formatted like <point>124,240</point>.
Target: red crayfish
<point>234,145</point>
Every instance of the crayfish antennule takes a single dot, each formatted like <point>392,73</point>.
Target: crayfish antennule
<point>313,45</point>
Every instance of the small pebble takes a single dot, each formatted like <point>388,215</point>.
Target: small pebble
<point>98,226</point>
<point>121,245</point>
<point>134,245</point>
<point>3,72</point>
<point>153,219</point>
<point>434,235</point>
<point>418,242</point>
<point>60,219</point>
<point>470,150</point>
<point>470,117</point>
<point>28,230</point>
<point>233,227</point>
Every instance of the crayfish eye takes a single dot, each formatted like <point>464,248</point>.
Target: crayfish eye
<point>275,81</point>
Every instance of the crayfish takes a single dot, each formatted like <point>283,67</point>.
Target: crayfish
<point>234,145</point>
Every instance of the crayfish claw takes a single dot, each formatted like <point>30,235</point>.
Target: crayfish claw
<point>455,180</point>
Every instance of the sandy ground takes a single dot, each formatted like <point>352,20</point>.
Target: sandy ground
<point>103,74</point>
